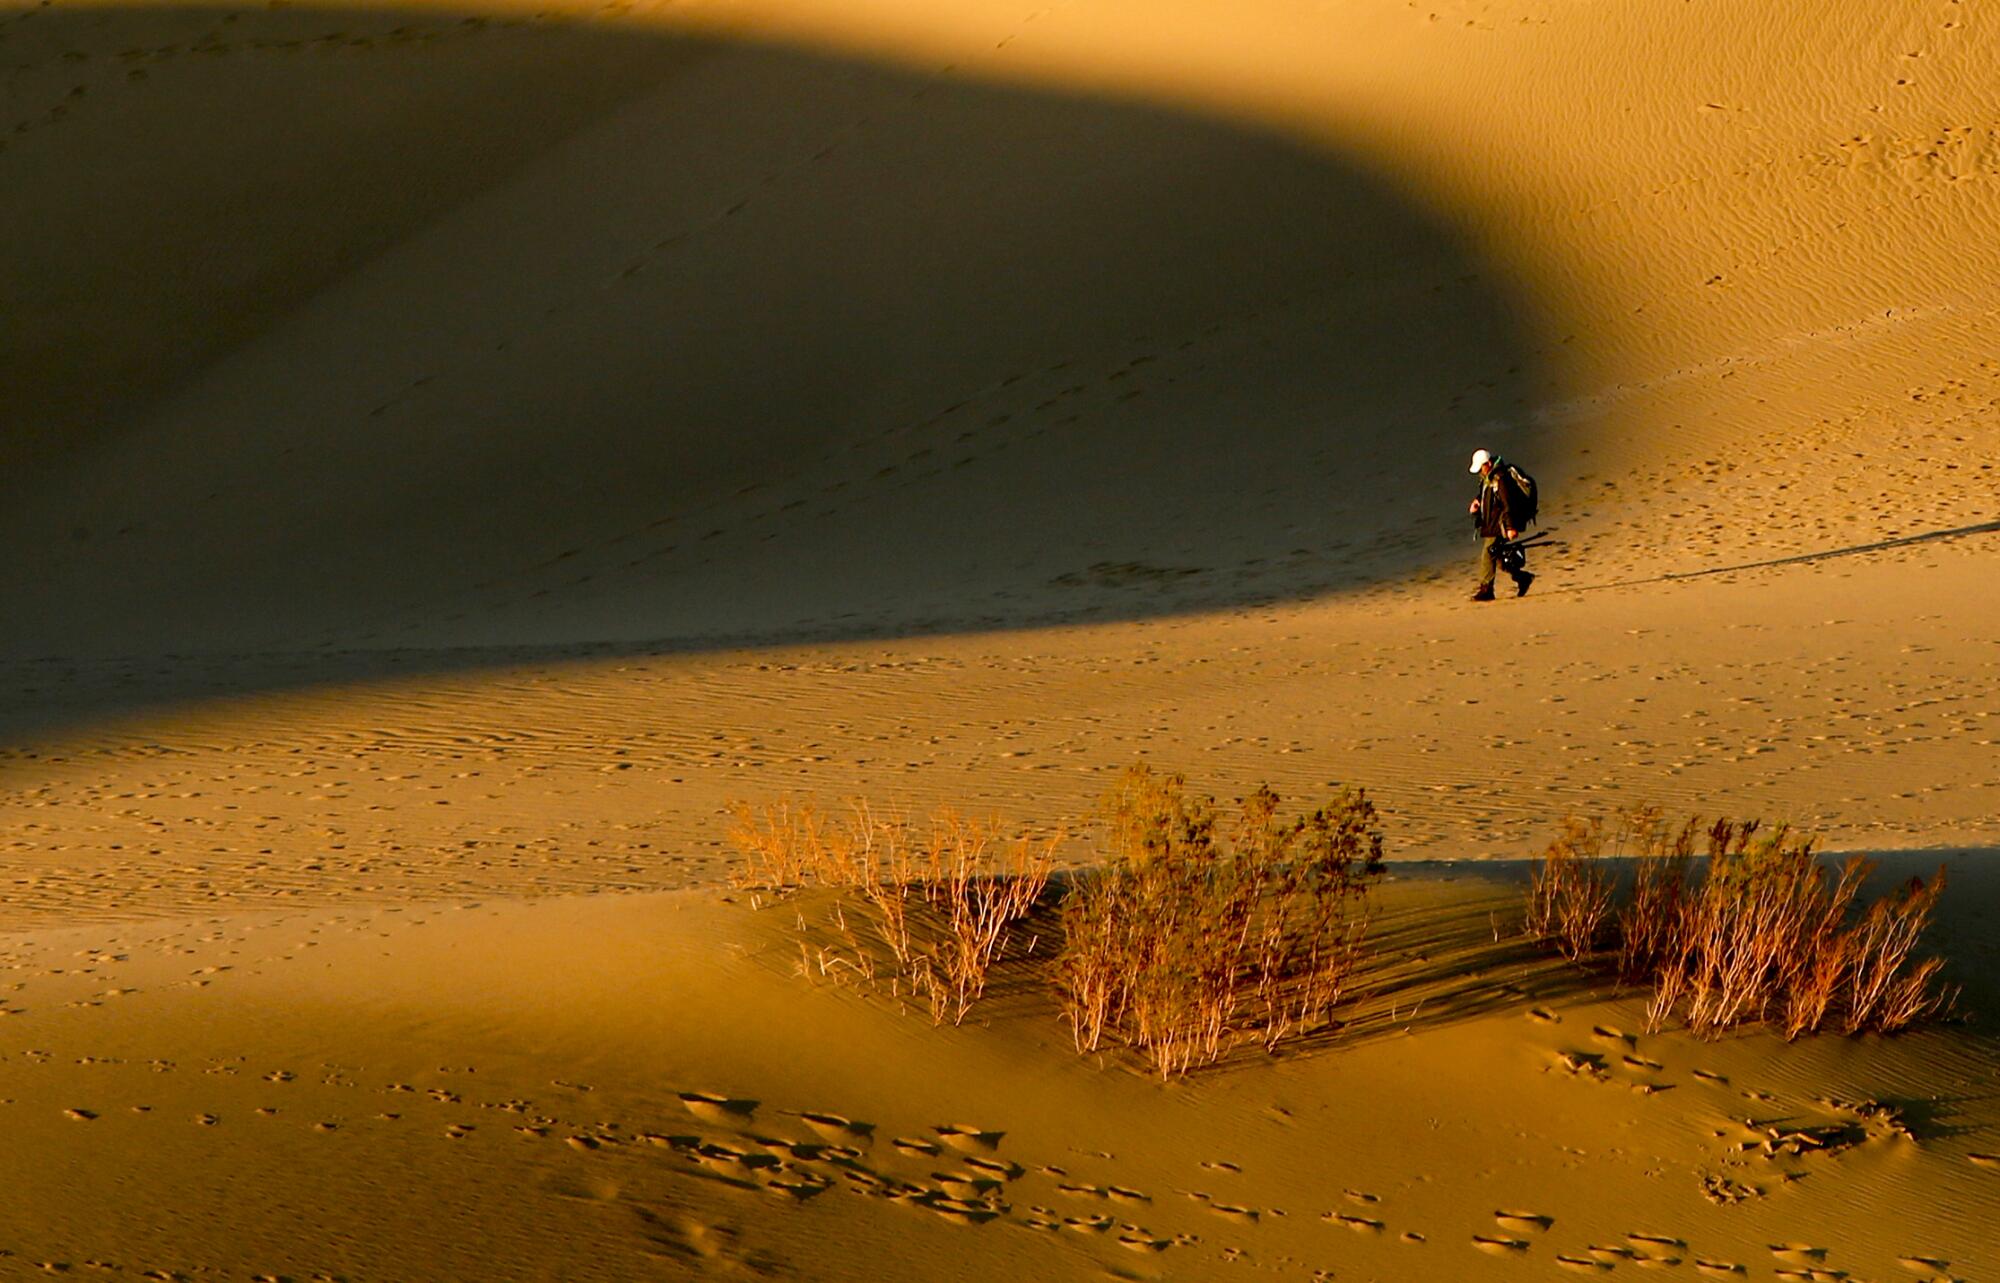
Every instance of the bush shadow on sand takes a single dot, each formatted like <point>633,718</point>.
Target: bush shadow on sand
<point>1439,955</point>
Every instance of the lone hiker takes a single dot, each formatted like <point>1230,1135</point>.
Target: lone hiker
<point>1504,507</point>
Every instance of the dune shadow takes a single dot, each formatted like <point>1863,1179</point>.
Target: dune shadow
<point>343,342</point>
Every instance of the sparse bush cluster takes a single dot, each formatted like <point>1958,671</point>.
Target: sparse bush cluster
<point>1199,932</point>
<point>1202,930</point>
<point>1766,933</point>
<point>931,908</point>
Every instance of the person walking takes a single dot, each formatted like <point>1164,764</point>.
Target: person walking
<point>1499,512</point>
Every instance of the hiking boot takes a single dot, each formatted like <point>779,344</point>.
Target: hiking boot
<point>1521,582</point>
<point>1484,593</point>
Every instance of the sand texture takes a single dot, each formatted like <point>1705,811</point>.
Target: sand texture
<point>640,1087</point>
<point>449,454</point>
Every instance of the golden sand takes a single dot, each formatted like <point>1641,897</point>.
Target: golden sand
<point>449,454</point>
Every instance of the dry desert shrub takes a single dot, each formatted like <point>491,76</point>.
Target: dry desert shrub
<point>1885,989</point>
<point>937,904</point>
<point>1761,939</point>
<point>1766,934</point>
<point>1203,930</point>
<point>1569,899</point>
<point>1646,924</point>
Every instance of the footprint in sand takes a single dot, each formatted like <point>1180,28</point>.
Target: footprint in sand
<point>1656,1251</point>
<point>1014,1171</point>
<point>79,1115</point>
<point>711,1107</point>
<point>862,1181</point>
<point>968,1139</point>
<point>1798,1253</point>
<point>1707,1076</point>
<point>1499,1246</point>
<point>825,1153</point>
<point>963,1187</point>
<point>915,1147</point>
<point>1523,1222</point>
<point>1718,1269</point>
<point>1923,1264</point>
<point>1119,1194</point>
<point>1543,1016</point>
<point>838,1129</point>
<point>716,1157</point>
<point>1989,1161</point>
<point>1231,1212</point>
<point>1582,1264</point>
<point>1654,1242</point>
<point>1413,1238</point>
<point>1606,1033</point>
<point>1359,1224</point>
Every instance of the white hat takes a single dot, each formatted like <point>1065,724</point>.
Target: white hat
<point>1479,460</point>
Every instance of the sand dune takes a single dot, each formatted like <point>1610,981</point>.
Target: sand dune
<point>448,454</point>
<point>617,1087</point>
<point>449,377</point>
<point>741,341</point>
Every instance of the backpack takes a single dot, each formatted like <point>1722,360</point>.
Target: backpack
<point>1525,501</point>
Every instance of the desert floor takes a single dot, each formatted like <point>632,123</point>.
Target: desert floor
<point>449,455</point>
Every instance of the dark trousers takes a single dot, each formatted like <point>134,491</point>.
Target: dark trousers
<point>1489,564</point>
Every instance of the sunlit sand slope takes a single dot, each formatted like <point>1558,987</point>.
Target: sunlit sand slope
<point>1865,711</point>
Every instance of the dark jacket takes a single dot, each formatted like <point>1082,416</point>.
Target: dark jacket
<point>1497,499</point>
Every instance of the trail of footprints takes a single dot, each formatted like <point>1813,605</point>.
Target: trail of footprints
<point>960,1173</point>
<point>266,35</point>
<point>964,1174</point>
<point>1758,1152</point>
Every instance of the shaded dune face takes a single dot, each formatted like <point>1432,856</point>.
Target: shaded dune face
<point>335,330</point>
